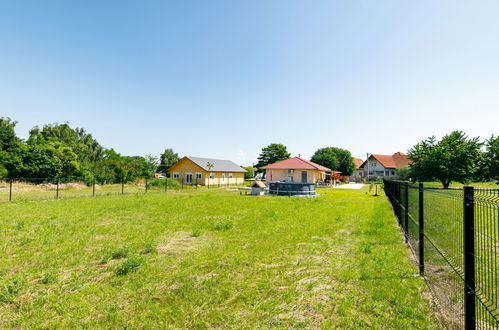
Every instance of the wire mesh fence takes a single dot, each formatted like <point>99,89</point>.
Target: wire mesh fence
<point>454,234</point>
<point>32,189</point>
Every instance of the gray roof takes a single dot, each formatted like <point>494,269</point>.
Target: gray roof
<point>219,165</point>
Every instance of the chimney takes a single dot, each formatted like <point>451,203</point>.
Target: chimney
<point>299,155</point>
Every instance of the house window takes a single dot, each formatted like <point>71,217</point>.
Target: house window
<point>223,177</point>
<point>198,176</point>
<point>290,171</point>
<point>176,175</point>
<point>230,175</point>
<point>212,175</point>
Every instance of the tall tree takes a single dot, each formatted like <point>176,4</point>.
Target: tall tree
<point>272,153</point>
<point>336,159</point>
<point>9,143</point>
<point>44,159</point>
<point>167,159</point>
<point>454,158</point>
<point>8,139</point>
<point>491,158</point>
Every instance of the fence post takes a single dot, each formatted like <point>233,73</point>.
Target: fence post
<point>10,190</point>
<point>146,184</point>
<point>406,210</point>
<point>93,188</point>
<point>166,184</point>
<point>57,190</point>
<point>182,183</point>
<point>219,182</point>
<point>421,229</point>
<point>469,258</point>
<point>122,187</point>
<point>196,183</point>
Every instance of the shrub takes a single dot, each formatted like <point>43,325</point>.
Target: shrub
<point>160,183</point>
<point>196,232</point>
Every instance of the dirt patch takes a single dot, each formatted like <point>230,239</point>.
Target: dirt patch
<point>179,242</point>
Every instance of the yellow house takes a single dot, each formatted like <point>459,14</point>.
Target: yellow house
<point>207,171</point>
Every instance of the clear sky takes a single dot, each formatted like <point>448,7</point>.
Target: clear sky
<point>223,79</point>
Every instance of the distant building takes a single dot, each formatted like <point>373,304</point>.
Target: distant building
<point>296,169</point>
<point>383,165</point>
<point>358,172</point>
<point>207,171</point>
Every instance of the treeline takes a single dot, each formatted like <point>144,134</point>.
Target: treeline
<point>336,159</point>
<point>59,151</point>
<point>455,158</point>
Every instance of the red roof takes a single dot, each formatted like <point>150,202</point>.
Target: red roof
<point>295,163</point>
<point>396,160</point>
<point>358,163</point>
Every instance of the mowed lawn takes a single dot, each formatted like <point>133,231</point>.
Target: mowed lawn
<point>204,259</point>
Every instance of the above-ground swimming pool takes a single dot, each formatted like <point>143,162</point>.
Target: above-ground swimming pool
<point>291,188</point>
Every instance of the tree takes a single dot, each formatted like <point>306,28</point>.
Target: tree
<point>336,159</point>
<point>250,171</point>
<point>150,165</point>
<point>454,158</point>
<point>43,159</point>
<point>88,150</point>
<point>167,159</point>
<point>491,158</point>
<point>272,153</point>
<point>8,138</point>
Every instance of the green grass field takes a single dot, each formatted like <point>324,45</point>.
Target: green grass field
<point>204,258</point>
<point>435,184</point>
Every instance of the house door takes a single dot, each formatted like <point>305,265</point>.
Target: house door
<point>303,176</point>
<point>188,178</point>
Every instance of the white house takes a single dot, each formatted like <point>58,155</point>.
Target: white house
<point>384,165</point>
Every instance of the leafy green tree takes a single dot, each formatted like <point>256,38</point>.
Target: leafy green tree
<point>43,159</point>
<point>150,164</point>
<point>250,171</point>
<point>272,153</point>
<point>403,173</point>
<point>454,158</point>
<point>88,150</point>
<point>491,158</point>
<point>336,159</point>
<point>8,139</point>
<point>167,159</point>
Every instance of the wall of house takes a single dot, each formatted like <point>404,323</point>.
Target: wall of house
<point>376,169</point>
<point>222,178</point>
<point>282,175</point>
<point>185,166</point>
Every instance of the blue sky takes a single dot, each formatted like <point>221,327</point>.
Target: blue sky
<point>223,79</point>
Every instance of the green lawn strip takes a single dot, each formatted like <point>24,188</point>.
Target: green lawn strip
<point>208,259</point>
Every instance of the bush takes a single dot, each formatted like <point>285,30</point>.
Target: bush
<point>160,183</point>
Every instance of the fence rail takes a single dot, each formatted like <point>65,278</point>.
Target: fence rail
<point>454,233</point>
<point>29,189</point>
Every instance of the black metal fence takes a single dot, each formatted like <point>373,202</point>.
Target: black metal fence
<point>454,234</point>
<point>27,189</point>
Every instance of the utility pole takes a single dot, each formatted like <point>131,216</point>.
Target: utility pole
<point>367,163</point>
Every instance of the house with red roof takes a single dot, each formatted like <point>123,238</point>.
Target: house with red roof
<point>297,169</point>
<point>384,165</point>
<point>358,172</point>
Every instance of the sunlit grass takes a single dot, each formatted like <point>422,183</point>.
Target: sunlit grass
<point>208,258</point>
